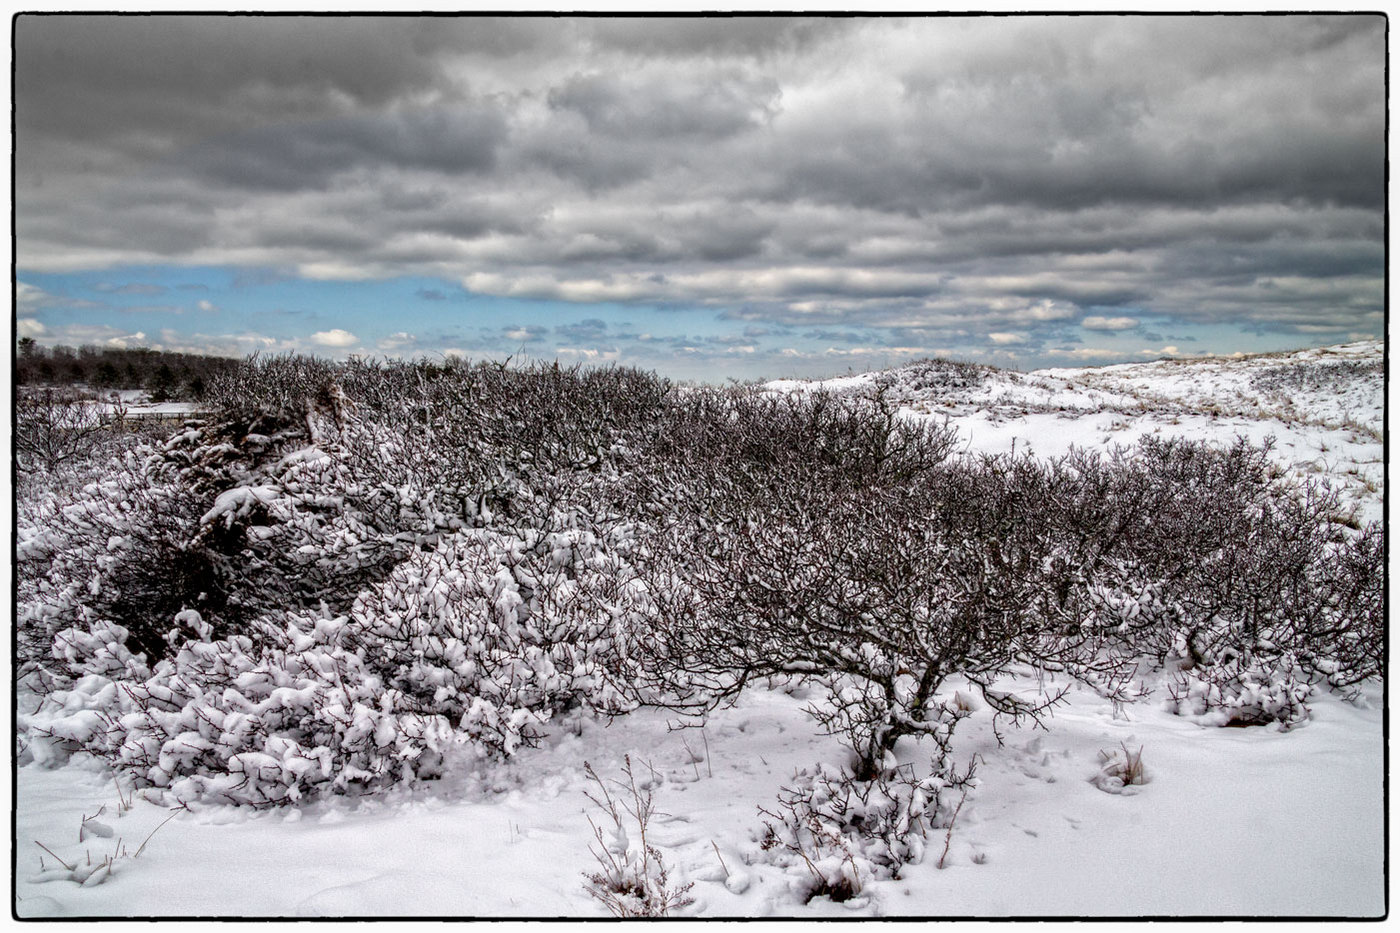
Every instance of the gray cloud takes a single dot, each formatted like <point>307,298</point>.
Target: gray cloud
<point>716,36</point>
<point>950,178</point>
<point>131,288</point>
<point>634,105</point>
<point>287,158</point>
<point>591,329</point>
<point>88,76</point>
<point>525,333</point>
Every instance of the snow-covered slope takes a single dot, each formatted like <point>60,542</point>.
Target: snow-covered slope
<point>1324,408</point>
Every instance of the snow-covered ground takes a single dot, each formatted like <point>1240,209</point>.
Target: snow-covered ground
<point>1231,822</point>
<point>138,402</point>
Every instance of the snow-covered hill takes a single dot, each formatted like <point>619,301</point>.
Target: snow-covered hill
<point>1324,408</point>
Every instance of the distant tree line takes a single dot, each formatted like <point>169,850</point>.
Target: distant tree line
<point>164,375</point>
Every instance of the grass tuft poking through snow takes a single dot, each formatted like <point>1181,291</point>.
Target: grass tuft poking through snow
<point>632,880</point>
<point>1122,769</point>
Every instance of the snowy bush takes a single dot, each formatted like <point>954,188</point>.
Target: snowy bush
<point>845,831</point>
<point>280,602</point>
<point>1120,769</point>
<point>1240,690</point>
<point>498,632</point>
<point>1243,585</point>
<point>229,721</point>
<point>482,640</point>
<point>941,374</point>
<point>112,554</point>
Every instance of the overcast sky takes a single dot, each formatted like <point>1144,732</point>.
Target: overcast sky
<point>709,197</point>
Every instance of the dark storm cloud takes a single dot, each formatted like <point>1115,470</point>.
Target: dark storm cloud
<point>1066,124</point>
<point>289,158</point>
<point>717,36</point>
<point>1226,262</point>
<point>89,76</point>
<point>936,178</point>
<point>312,234</point>
<point>724,235</point>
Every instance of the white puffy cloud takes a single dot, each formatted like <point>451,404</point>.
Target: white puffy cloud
<point>334,338</point>
<point>391,344</point>
<point>1097,322</point>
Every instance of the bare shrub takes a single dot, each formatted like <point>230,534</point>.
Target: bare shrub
<point>839,544</point>
<point>54,428</point>
<point>420,554</point>
<point>632,880</point>
<point>1317,374</point>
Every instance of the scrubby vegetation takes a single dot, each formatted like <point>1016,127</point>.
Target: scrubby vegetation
<point>1313,375</point>
<point>349,570</point>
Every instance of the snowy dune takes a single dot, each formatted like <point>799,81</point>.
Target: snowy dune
<point>1323,407</point>
<point>1231,822</point>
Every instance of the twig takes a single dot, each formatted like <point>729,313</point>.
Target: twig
<point>692,757</point>
<point>51,852</point>
<point>708,770</point>
<point>123,800</point>
<point>948,839</point>
<point>154,831</point>
<point>721,859</point>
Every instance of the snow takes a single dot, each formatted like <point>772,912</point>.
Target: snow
<point>1234,822</point>
<point>1231,822</point>
<point>238,501</point>
<point>138,401</point>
